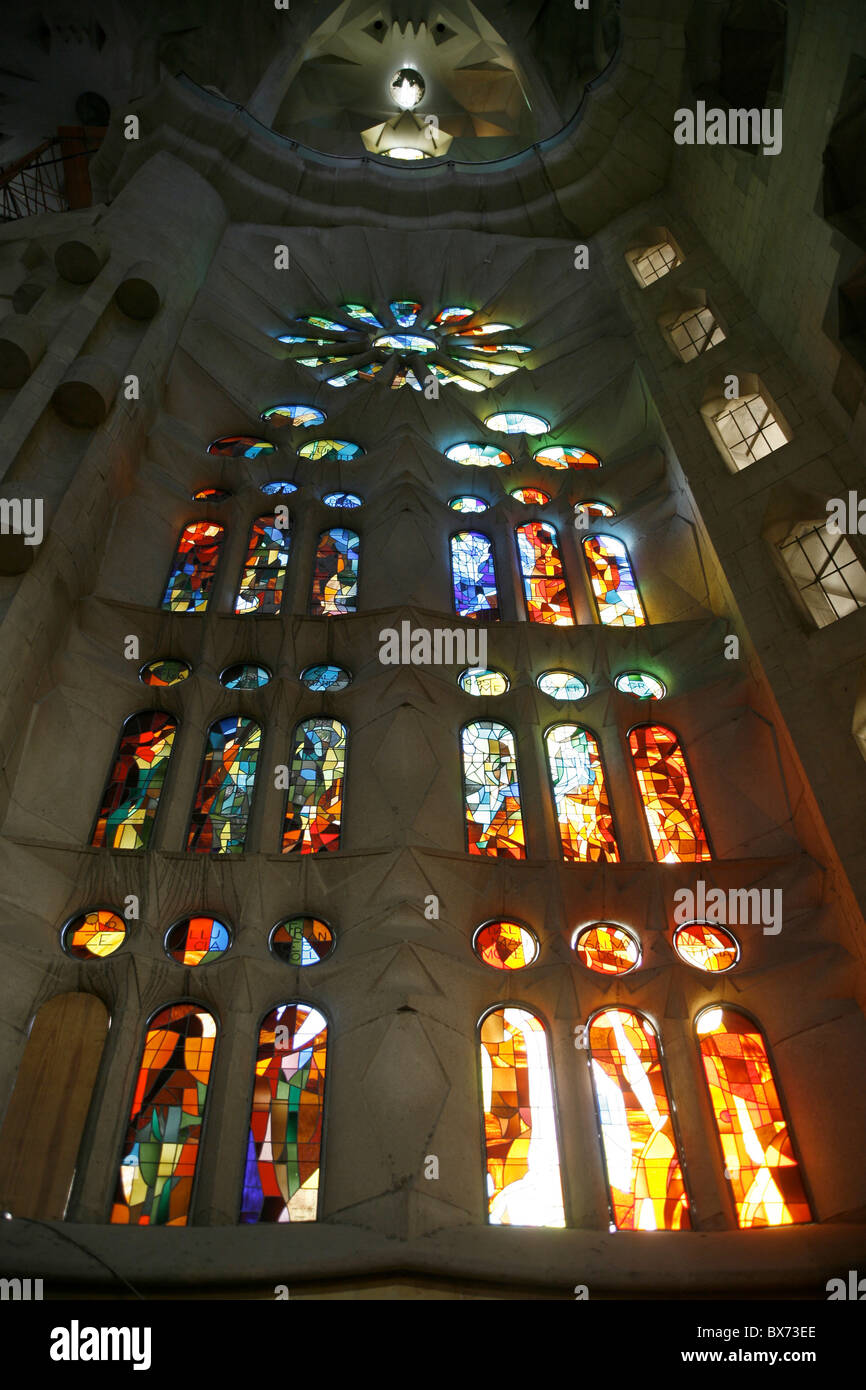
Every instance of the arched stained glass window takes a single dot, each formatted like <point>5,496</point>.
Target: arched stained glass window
<point>335,573</point>
<point>129,803</point>
<point>264,573</point>
<point>225,790</point>
<point>154,1185</point>
<point>613,583</point>
<point>544,586</point>
<point>281,1180</point>
<point>524,1187</point>
<point>314,805</point>
<point>675,825</point>
<point>194,567</point>
<point>491,791</point>
<point>582,808</point>
<point>760,1164</point>
<point>473,577</point>
<point>644,1173</point>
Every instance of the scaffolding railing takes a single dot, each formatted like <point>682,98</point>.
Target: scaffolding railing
<point>54,177</point>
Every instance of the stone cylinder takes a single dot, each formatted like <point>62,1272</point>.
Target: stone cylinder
<point>141,291</point>
<point>22,344</point>
<point>79,259</point>
<point>86,393</point>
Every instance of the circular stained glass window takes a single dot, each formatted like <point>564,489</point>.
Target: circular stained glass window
<point>245,677</point>
<point>468,504</point>
<point>302,941</point>
<point>323,678</point>
<point>607,949</point>
<point>240,446</point>
<point>299,416</point>
<point>641,685</point>
<point>279,488</point>
<point>197,941</point>
<point>93,935</point>
<point>530,496</point>
<point>562,685</point>
<point>568,457</point>
<point>164,672</point>
<point>517,422</point>
<point>483,680</point>
<point>330,450</point>
<point>594,511</point>
<point>707,947</point>
<point>505,945</point>
<point>211,494</point>
<point>479,455</point>
<point>346,500</point>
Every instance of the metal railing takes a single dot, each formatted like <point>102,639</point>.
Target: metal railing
<point>52,178</point>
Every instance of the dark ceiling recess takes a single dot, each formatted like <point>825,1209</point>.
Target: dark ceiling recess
<point>736,54</point>
<point>844,163</point>
<point>92,109</point>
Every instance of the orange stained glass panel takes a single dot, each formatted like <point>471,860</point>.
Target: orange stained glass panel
<point>671,808</point>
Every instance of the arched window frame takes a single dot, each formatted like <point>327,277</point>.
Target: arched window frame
<point>564,568</point>
<point>347,737</point>
<point>327,531</point>
<point>481,719</point>
<point>483,616</point>
<point>191,849</point>
<point>287,532</point>
<point>165,785</point>
<point>604,535</point>
<point>220,561</point>
<point>652,724</point>
<point>567,723</point>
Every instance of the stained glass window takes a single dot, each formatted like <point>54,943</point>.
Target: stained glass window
<point>530,496</point>
<point>302,941</point>
<point>281,1179</point>
<point>479,455</point>
<point>264,572</point>
<point>517,421</point>
<point>452,314</point>
<point>506,945</point>
<point>405,342</point>
<point>644,1172</point>
<point>299,416</point>
<point>544,586</point>
<point>607,949</point>
<point>197,941</point>
<point>314,805</point>
<point>346,500</point>
<point>155,1182</point>
<point>322,678</point>
<point>524,1187</point>
<point>640,684</point>
<point>405,311</point>
<point>710,948</point>
<point>221,813</point>
<point>240,446</point>
<point>483,680</point>
<point>165,672</point>
<point>562,685</point>
<point>93,935</point>
<point>491,791</point>
<point>192,573</point>
<point>760,1163</point>
<point>330,451</point>
<point>468,504</point>
<point>568,457</point>
<point>582,808</point>
<point>612,580</point>
<point>358,311</point>
<point>214,495</point>
<point>278,488</point>
<point>675,825</point>
<point>594,511</point>
<point>335,573</point>
<point>244,677</point>
<point>473,577</point>
<point>130,800</point>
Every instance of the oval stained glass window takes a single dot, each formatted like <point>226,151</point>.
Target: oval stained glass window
<point>530,496</point>
<point>197,941</point>
<point>245,677</point>
<point>165,671</point>
<point>279,488</point>
<point>562,685</point>
<point>505,945</point>
<point>299,416</point>
<point>93,935</point>
<point>478,455</point>
<point>641,685</point>
<point>568,457</point>
<point>330,450</point>
<point>404,342</point>
<point>707,947</point>
<point>301,941</point>
<point>240,446</point>
<point>211,494</point>
<point>607,949</point>
<point>517,422</point>
<point>483,680</point>
<point>452,314</point>
<point>323,678</point>
<point>594,511</point>
<point>467,504</point>
<point>347,500</point>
